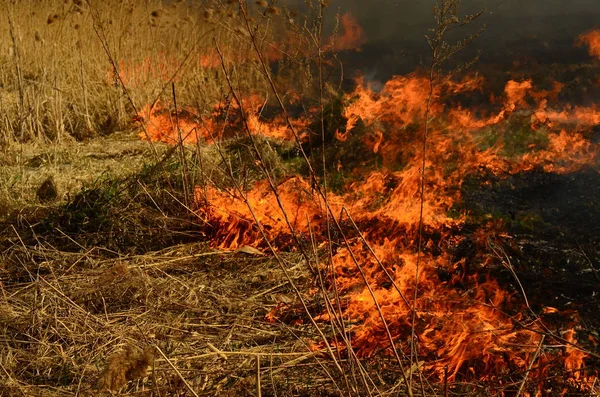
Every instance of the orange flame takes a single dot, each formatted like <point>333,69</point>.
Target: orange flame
<point>461,320</point>
<point>161,125</point>
<point>353,34</point>
<point>592,40</point>
<point>466,333</point>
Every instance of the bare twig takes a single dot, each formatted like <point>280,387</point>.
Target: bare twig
<point>535,356</point>
<point>446,17</point>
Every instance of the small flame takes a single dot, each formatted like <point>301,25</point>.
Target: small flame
<point>592,40</point>
<point>353,34</point>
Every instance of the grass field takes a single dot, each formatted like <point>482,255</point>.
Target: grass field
<point>111,285</point>
<point>190,205</point>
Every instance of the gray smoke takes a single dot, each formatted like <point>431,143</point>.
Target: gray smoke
<point>394,19</point>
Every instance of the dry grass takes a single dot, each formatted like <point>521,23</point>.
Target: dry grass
<point>104,288</point>
<point>90,304</point>
<point>71,164</point>
<point>79,323</point>
<point>58,81</point>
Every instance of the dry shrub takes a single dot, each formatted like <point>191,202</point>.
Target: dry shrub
<point>126,365</point>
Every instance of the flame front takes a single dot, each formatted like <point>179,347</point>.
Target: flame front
<point>461,320</point>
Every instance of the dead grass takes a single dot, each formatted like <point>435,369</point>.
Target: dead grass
<point>71,164</point>
<point>91,305</point>
<point>59,82</point>
<point>81,323</point>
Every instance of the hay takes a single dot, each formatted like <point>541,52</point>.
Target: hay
<point>88,323</point>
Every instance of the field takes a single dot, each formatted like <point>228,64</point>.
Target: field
<point>196,200</point>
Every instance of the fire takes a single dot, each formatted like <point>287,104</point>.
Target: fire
<point>353,35</point>
<point>462,321</point>
<point>235,226</point>
<point>515,93</point>
<point>592,40</point>
<point>165,67</point>
<point>162,125</point>
<point>565,153</point>
<point>574,358</point>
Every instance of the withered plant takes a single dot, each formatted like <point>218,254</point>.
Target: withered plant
<point>447,20</point>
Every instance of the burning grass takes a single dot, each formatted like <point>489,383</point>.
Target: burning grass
<point>283,246</point>
<point>100,308</point>
<point>373,264</point>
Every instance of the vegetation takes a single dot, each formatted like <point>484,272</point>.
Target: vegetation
<point>119,274</point>
<point>69,68</point>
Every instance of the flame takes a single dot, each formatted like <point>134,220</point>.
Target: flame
<point>515,93</point>
<point>162,125</point>
<point>235,225</point>
<point>574,358</point>
<point>565,153</point>
<point>462,321</point>
<point>353,35</point>
<point>592,40</point>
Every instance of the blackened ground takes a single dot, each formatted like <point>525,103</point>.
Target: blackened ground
<point>554,224</point>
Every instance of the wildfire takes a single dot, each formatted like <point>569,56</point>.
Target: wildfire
<point>462,323</point>
<point>352,36</point>
<point>163,125</point>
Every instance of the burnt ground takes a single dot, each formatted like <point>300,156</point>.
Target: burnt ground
<point>554,224</point>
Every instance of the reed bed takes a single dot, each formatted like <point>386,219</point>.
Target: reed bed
<point>75,69</point>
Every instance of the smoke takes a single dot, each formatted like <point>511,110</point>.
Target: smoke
<point>544,31</point>
<point>393,19</point>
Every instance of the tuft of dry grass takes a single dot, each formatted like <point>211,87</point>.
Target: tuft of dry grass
<point>47,191</point>
<point>125,366</point>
